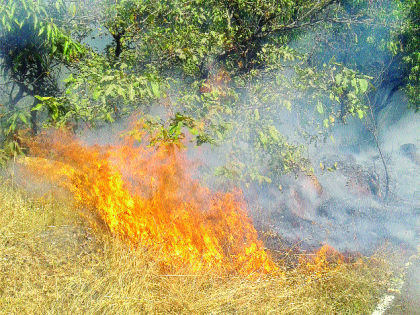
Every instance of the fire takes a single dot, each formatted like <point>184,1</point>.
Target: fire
<point>147,197</point>
<point>325,259</point>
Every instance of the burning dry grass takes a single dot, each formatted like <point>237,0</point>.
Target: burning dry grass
<point>147,197</point>
<point>50,263</point>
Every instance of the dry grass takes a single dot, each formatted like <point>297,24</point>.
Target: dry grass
<point>51,263</point>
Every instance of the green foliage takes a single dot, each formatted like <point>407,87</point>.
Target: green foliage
<point>10,149</point>
<point>173,132</point>
<point>226,66</point>
<point>102,91</point>
<point>410,37</point>
<point>33,49</point>
<point>34,20</point>
<point>336,91</point>
<point>215,72</point>
<point>12,125</point>
<point>196,37</point>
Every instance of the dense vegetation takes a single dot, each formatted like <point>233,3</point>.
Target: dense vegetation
<point>219,70</point>
<point>188,73</point>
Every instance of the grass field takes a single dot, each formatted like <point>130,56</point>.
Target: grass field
<point>52,263</point>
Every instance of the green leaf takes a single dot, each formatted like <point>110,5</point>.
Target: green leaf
<point>35,21</point>
<point>363,85</point>
<point>121,91</point>
<point>155,89</point>
<point>109,118</point>
<point>42,98</point>
<point>66,47</point>
<point>37,107</point>
<point>54,110</point>
<point>354,84</point>
<point>96,94</point>
<point>12,126</point>
<point>49,31</point>
<point>107,78</point>
<point>320,108</point>
<point>23,118</point>
<point>18,23</point>
<point>131,93</point>
<point>338,78</point>
<point>110,90</point>
<point>263,138</point>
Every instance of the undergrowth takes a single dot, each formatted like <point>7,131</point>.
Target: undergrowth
<point>52,263</point>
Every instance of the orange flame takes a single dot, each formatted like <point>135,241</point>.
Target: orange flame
<point>327,258</point>
<point>146,196</point>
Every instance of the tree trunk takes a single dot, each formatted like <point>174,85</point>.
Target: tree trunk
<point>34,126</point>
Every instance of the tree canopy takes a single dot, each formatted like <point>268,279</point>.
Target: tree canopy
<point>221,71</point>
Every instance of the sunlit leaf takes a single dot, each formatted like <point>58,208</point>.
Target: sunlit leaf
<point>66,46</point>
<point>37,107</point>
<point>320,108</point>
<point>23,118</point>
<point>96,94</point>
<point>131,93</point>
<point>363,85</point>
<point>110,89</point>
<point>155,89</point>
